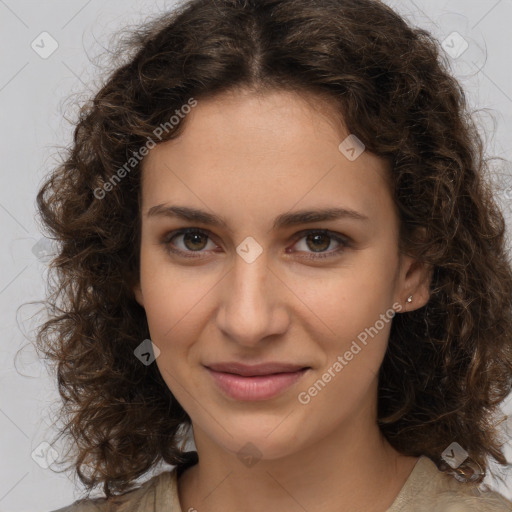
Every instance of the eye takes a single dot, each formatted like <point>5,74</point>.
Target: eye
<point>319,240</point>
<point>194,240</point>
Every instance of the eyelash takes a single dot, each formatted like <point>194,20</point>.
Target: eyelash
<point>344,242</point>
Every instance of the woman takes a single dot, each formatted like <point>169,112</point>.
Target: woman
<point>276,229</point>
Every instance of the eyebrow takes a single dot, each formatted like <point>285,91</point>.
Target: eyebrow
<point>282,221</point>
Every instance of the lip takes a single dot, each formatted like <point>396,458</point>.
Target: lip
<point>256,382</point>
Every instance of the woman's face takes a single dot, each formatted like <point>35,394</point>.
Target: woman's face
<point>261,284</point>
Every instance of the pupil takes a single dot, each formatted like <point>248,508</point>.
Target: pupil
<point>316,236</point>
<point>188,237</point>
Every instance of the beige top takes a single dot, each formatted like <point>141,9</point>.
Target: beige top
<point>426,490</point>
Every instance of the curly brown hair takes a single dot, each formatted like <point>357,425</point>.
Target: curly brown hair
<point>448,365</point>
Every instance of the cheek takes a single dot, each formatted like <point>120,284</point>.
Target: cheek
<point>353,354</point>
<point>342,302</point>
<point>172,295</point>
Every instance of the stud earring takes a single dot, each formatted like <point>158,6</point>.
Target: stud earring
<point>409,299</point>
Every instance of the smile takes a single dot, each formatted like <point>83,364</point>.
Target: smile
<point>255,387</point>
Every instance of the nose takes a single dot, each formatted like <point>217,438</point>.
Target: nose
<point>253,306</point>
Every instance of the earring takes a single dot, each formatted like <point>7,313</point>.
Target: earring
<point>409,299</point>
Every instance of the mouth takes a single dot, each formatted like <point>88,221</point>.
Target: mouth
<point>250,383</point>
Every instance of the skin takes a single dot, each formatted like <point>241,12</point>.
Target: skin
<point>249,157</point>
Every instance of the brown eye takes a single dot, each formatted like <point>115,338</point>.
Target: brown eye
<point>194,241</point>
<point>317,242</point>
<point>187,241</point>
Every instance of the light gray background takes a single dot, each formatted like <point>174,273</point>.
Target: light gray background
<point>35,97</point>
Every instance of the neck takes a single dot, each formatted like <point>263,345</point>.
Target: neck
<point>352,468</point>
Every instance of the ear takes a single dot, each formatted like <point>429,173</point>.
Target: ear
<point>137,292</point>
<point>414,281</point>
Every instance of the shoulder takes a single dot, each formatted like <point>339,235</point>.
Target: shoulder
<point>430,490</point>
<point>157,493</point>
<point>477,501</point>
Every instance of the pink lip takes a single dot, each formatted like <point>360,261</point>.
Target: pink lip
<point>258,382</point>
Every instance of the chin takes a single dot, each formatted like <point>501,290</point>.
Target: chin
<point>268,438</point>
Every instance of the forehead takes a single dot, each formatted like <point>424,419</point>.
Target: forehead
<point>263,151</point>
